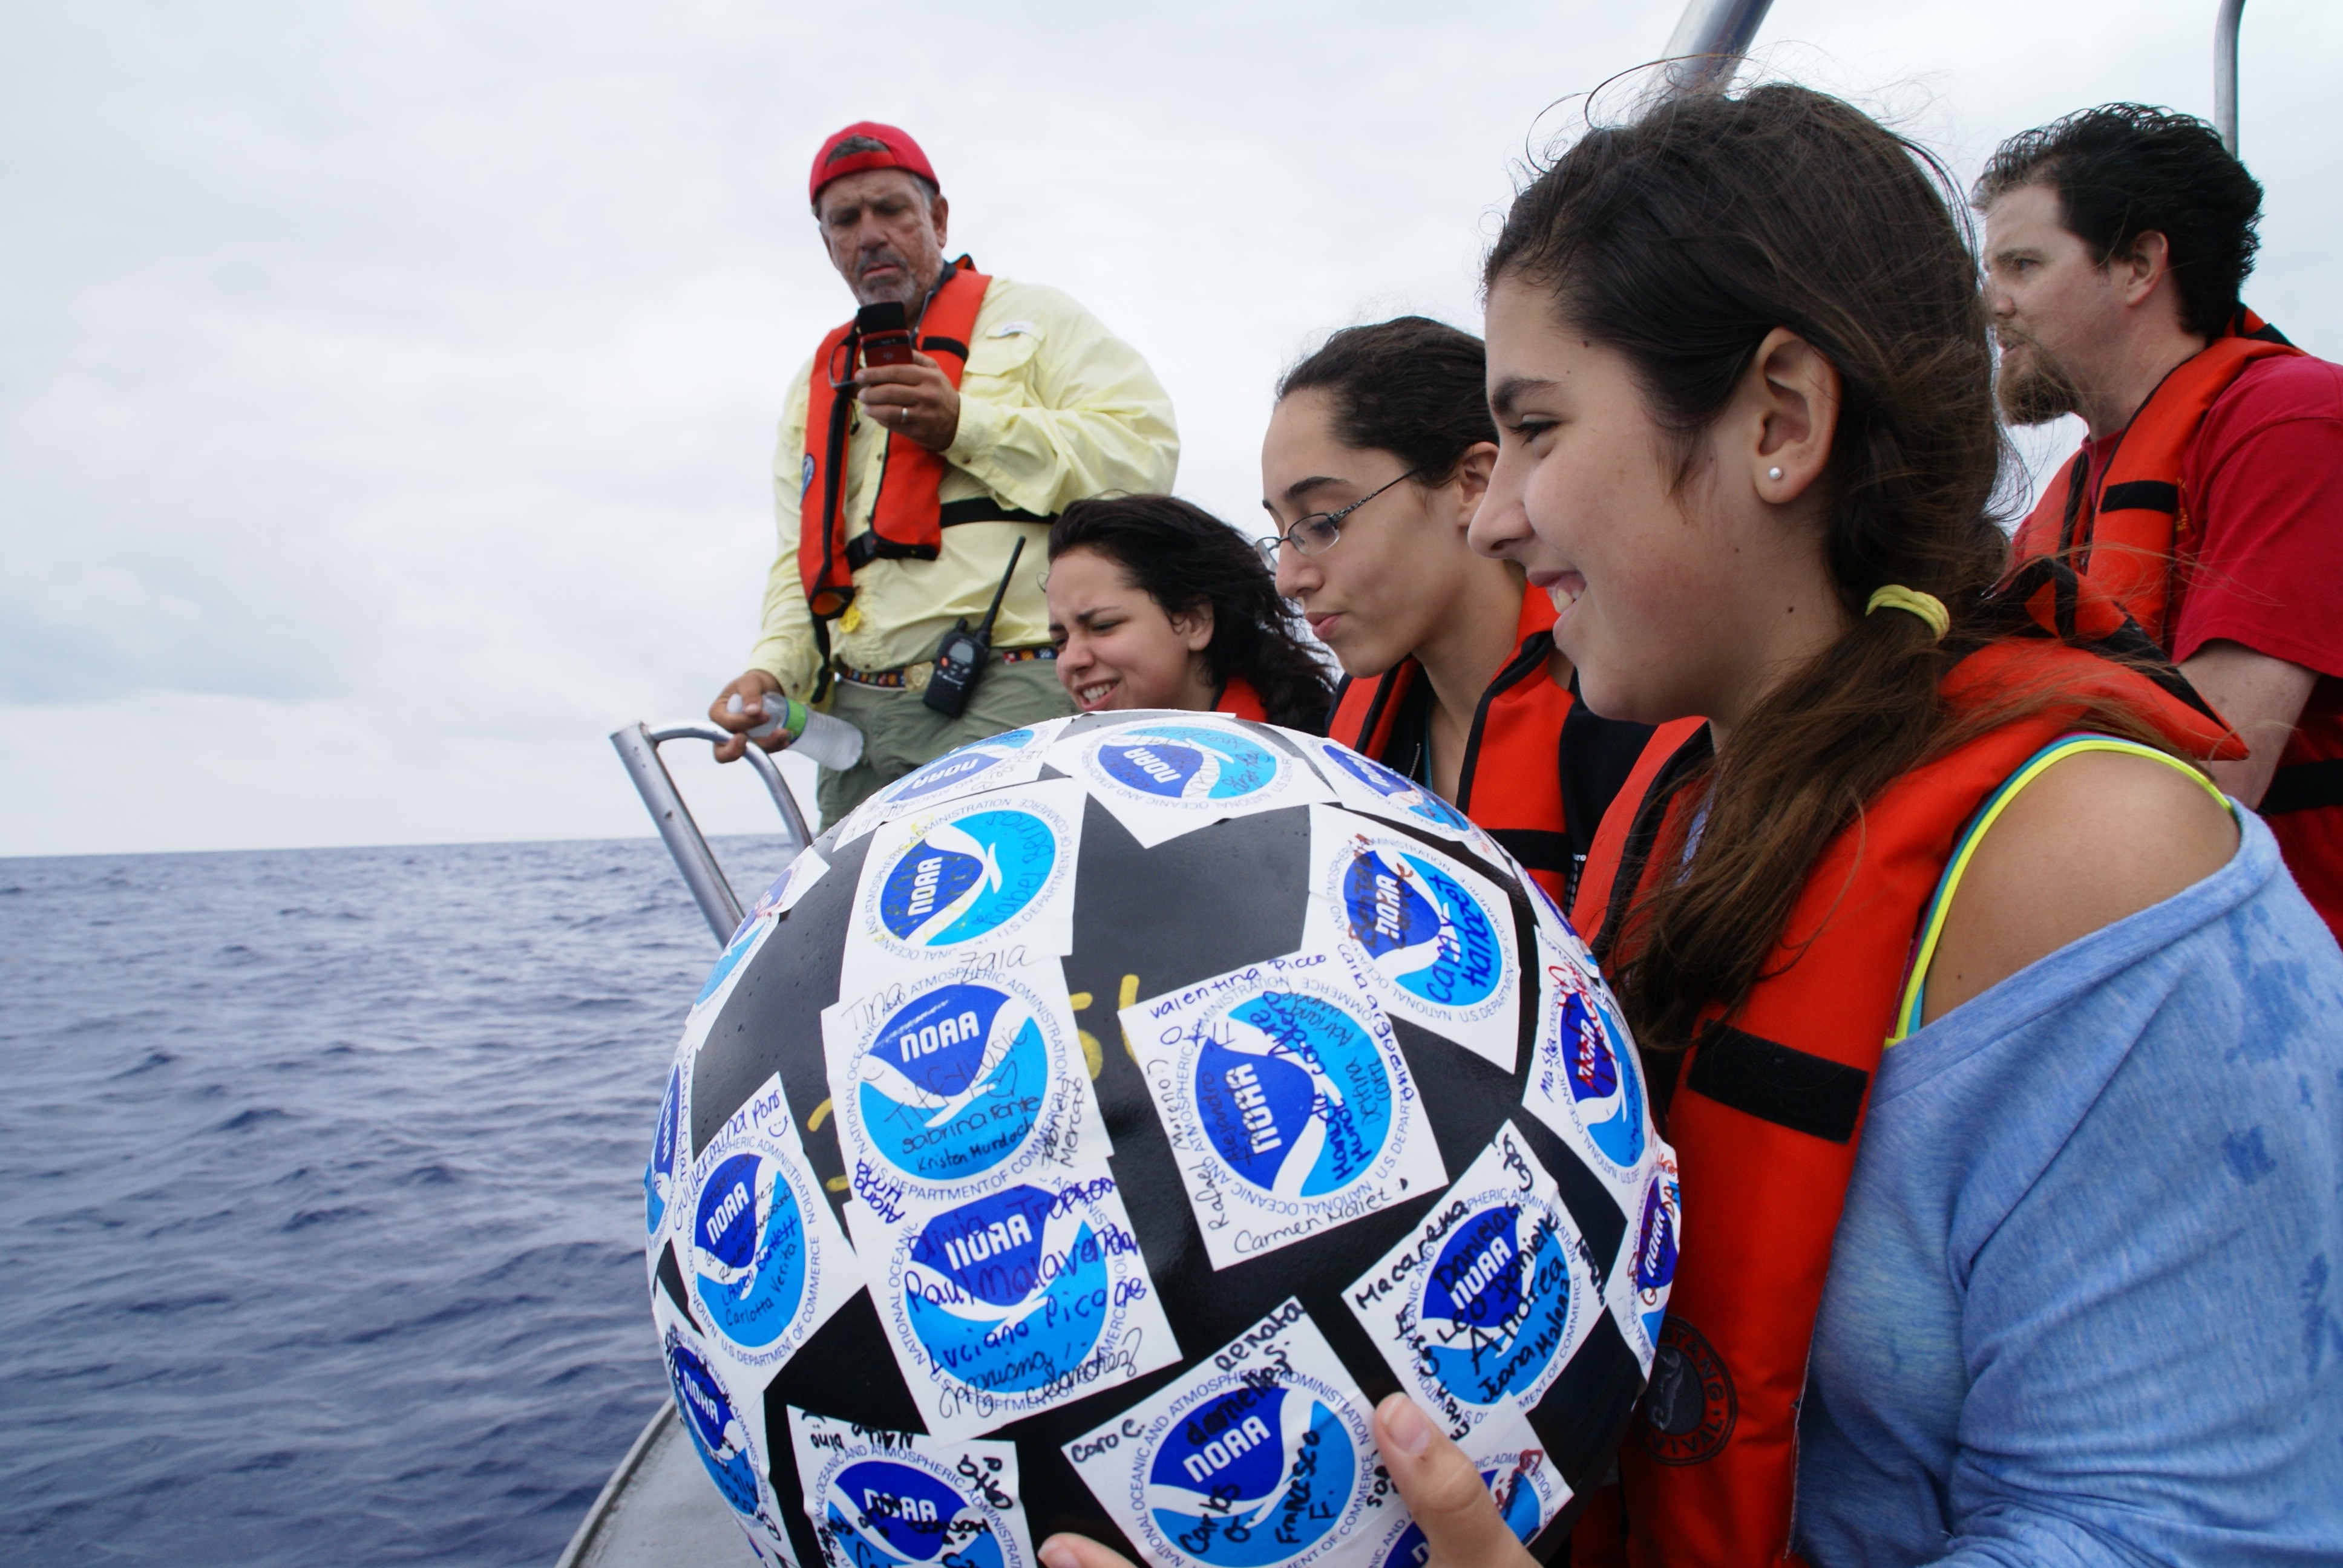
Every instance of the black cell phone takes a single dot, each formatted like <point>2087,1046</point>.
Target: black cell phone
<point>884,329</point>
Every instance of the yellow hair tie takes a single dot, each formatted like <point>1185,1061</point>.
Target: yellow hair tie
<point>1927,606</point>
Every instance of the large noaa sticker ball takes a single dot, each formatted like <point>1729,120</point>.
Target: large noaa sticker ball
<point>1088,1130</point>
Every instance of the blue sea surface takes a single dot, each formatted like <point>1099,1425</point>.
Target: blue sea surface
<point>321,1199</point>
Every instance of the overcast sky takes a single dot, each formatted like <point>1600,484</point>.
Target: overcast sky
<point>387,391</point>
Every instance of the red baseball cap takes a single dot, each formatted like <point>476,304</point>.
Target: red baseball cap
<point>866,144</point>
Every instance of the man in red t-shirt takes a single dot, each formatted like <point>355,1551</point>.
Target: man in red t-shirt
<point>2209,493</point>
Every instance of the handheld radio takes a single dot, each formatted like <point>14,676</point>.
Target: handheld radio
<point>961,657</point>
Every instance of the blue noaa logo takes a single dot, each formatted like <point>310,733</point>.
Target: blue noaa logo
<point>1011,1294</point>
<point>1604,1085</point>
<point>1517,1504</point>
<point>1655,1248</point>
<point>1498,1301</point>
<point>1396,787</point>
<point>884,1514</point>
<point>1303,1106</point>
<point>1424,929</point>
<point>748,1249</point>
<point>968,877</point>
<point>1258,1475</point>
<point>716,1428</point>
<point>959,767</point>
<point>658,1175</point>
<point>744,937</point>
<point>955,1082</point>
<point>1189,762</point>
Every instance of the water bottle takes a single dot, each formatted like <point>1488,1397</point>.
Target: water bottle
<point>832,742</point>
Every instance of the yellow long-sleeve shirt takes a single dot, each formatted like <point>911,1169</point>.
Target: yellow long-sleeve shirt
<point>1052,408</point>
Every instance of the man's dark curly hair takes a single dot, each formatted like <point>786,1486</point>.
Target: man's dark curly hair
<point>2122,170</point>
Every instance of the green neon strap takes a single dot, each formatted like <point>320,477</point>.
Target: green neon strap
<point>1932,929</point>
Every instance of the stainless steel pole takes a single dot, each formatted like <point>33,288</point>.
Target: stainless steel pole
<point>2224,72</point>
<point>1709,41</point>
<point>639,749</point>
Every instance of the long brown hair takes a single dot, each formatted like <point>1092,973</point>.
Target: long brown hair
<point>1681,240</point>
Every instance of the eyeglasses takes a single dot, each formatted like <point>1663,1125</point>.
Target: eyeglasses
<point>1320,531</point>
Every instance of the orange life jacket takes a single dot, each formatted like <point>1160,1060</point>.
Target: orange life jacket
<point>2121,540</point>
<point>1240,700</point>
<point>1511,781</point>
<point>1764,1112</point>
<point>907,518</point>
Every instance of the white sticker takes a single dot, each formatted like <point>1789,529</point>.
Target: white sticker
<point>723,1416</point>
<point>957,1083</point>
<point>1438,937</point>
<point>1585,1081</point>
<point>1260,1456</point>
<point>1013,758</point>
<point>1484,1303</point>
<point>1163,775</point>
<point>896,1499</point>
<point>670,1162</point>
<point>716,989</point>
<point>1286,1101</point>
<point>1520,1474</point>
<point>988,880</point>
<point>1363,784</point>
<point>793,884</point>
<point>1643,1276</point>
<point>765,1258</point>
<point>1018,1301</point>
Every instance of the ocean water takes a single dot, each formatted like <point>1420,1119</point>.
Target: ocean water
<point>320,1195</point>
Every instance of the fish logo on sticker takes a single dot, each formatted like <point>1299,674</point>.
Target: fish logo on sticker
<point>1655,1246</point>
<point>959,767</point>
<point>965,878</point>
<point>659,1174</point>
<point>714,1423</point>
<point>1605,1087</point>
<point>1424,930</point>
<point>1498,1301</point>
<point>1517,1504</point>
<point>1189,762</point>
<point>1258,1475</point>
<point>1010,1291</point>
<point>955,1082</point>
<point>883,1514</point>
<point>1396,787</point>
<point>1298,1102</point>
<point>748,1249</point>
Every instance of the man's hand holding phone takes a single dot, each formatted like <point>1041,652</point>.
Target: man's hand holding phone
<point>914,397</point>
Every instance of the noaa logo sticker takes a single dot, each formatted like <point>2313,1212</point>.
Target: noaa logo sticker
<point>1259,1457</point>
<point>1483,1305</point>
<point>660,1173</point>
<point>766,1260</point>
<point>805,476</point>
<point>959,1084</point>
<point>902,1500</point>
<point>1584,1082</point>
<point>1659,1233</point>
<point>1286,1100</point>
<point>1015,756</point>
<point>993,875</point>
<point>1522,1478</point>
<point>746,938</point>
<point>791,884</point>
<point>1163,778</point>
<point>717,1422</point>
<point>1364,784</point>
<point>1018,1301</point>
<point>1438,938</point>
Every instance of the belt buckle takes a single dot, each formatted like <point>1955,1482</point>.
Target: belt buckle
<point>917,675</point>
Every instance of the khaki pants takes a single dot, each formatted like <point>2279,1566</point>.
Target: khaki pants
<point>901,733</point>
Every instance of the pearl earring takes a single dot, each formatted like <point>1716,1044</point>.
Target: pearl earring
<point>1773,473</point>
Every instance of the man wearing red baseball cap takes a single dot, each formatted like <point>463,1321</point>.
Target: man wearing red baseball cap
<point>910,467</point>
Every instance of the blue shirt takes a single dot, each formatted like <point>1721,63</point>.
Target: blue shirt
<point>2085,1303</point>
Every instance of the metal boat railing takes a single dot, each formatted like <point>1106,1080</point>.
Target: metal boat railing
<point>637,747</point>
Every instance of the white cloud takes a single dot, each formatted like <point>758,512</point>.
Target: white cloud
<point>386,391</point>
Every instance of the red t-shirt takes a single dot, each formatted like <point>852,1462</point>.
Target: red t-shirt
<point>2262,566</point>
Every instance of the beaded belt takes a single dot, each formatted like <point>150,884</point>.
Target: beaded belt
<point>917,675</point>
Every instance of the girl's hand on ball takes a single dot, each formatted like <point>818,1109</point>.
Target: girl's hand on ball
<point>1442,1489</point>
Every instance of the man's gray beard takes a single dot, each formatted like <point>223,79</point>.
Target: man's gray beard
<point>2039,394</point>
<point>910,290</point>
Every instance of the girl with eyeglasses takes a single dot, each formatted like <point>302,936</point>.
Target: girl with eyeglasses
<point>1156,603</point>
<point>1378,453</point>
